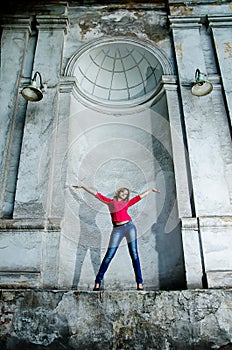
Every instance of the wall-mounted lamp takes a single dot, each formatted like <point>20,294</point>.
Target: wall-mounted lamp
<point>201,87</point>
<point>32,92</point>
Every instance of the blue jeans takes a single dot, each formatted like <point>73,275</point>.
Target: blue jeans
<point>129,231</point>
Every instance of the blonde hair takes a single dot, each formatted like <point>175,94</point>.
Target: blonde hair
<point>119,190</point>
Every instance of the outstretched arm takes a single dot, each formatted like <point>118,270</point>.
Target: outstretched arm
<point>144,194</point>
<point>89,190</point>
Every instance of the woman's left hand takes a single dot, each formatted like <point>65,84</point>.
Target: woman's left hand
<point>155,190</point>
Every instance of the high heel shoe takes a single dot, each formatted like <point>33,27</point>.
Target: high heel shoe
<point>139,288</point>
<point>96,289</point>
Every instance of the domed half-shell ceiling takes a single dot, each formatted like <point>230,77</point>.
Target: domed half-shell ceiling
<point>117,72</point>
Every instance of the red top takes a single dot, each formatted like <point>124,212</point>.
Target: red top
<point>118,209</point>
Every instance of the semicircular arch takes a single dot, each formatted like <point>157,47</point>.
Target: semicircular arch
<point>118,71</point>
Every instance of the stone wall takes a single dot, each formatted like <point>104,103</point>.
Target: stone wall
<point>168,138</point>
<point>58,320</point>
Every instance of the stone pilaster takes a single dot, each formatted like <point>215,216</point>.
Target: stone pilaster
<point>14,41</point>
<point>61,143</point>
<point>210,189</point>
<point>189,227</point>
<point>36,170</point>
<point>221,27</point>
<point>194,265</point>
<point>179,151</point>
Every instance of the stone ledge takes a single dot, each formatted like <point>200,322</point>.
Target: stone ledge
<point>215,221</point>
<point>52,224</point>
<point>182,320</point>
<point>19,279</point>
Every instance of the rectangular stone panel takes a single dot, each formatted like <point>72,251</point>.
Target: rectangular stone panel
<point>216,233</point>
<point>217,279</point>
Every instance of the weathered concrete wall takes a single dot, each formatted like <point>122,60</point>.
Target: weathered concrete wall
<point>116,320</point>
<point>47,146</point>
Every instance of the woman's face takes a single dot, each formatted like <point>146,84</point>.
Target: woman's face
<point>123,194</point>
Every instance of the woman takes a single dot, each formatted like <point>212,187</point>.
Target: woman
<point>122,227</point>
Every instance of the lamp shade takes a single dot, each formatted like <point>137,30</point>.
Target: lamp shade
<point>32,92</point>
<point>201,87</point>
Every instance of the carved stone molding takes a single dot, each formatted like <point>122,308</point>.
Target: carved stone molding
<point>219,21</point>
<point>184,22</point>
<point>50,22</point>
<point>16,23</point>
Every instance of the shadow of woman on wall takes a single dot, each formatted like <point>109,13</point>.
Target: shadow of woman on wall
<point>90,239</point>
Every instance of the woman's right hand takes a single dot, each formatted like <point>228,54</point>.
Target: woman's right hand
<point>93,192</point>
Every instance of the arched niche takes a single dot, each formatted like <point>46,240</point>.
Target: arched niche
<point>119,135</point>
<point>117,73</point>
